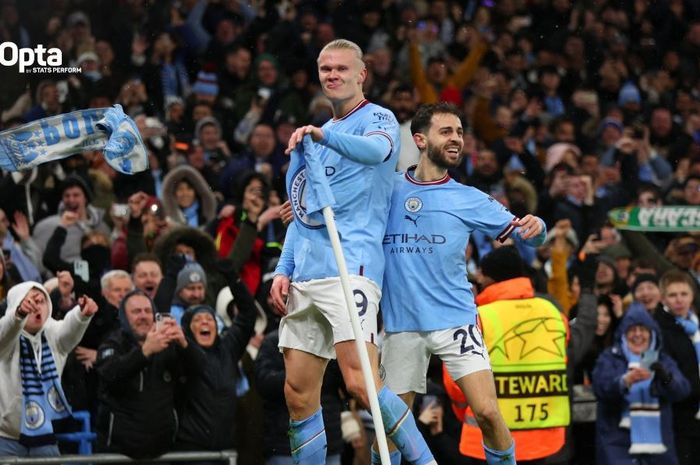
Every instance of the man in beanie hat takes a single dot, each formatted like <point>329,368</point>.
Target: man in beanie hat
<point>190,289</point>
<point>75,218</point>
<point>646,291</point>
<point>528,333</point>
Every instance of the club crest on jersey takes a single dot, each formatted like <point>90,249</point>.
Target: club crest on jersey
<point>413,204</point>
<point>297,197</point>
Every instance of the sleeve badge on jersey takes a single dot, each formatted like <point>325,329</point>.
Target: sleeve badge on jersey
<point>413,204</point>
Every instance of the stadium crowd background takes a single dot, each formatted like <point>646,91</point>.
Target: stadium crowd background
<point>571,108</point>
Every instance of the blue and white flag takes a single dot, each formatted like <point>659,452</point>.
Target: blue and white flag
<point>308,190</point>
<point>60,136</point>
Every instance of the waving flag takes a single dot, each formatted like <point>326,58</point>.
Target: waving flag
<point>60,136</point>
<point>308,190</point>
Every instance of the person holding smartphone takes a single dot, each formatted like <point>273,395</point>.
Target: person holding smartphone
<point>635,385</point>
<point>140,366</point>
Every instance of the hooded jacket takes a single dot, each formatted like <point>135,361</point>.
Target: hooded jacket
<point>613,442</point>
<point>136,413</point>
<point>61,336</point>
<point>203,194</point>
<point>206,255</point>
<point>209,408</point>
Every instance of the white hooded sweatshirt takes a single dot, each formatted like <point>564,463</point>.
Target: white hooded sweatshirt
<point>62,337</point>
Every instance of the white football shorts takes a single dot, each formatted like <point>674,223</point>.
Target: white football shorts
<point>405,356</point>
<point>317,317</point>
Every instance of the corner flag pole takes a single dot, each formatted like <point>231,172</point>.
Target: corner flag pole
<point>359,335</point>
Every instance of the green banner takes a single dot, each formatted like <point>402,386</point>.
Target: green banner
<point>678,218</point>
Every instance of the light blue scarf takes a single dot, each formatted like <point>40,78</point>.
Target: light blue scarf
<point>42,395</point>
<point>690,327</point>
<point>642,414</point>
<point>60,136</point>
<point>192,214</point>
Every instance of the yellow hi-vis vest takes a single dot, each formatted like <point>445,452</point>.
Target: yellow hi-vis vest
<point>527,341</point>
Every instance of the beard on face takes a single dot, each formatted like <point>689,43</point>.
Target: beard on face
<point>439,158</point>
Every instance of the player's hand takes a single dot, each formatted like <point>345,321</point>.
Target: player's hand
<point>530,226</point>
<point>279,293</point>
<point>299,133</point>
<point>286,213</point>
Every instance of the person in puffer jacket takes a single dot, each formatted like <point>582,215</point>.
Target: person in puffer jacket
<point>33,351</point>
<point>140,367</point>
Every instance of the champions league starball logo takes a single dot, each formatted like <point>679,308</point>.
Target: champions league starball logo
<point>297,197</point>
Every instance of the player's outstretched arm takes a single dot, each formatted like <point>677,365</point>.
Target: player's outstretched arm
<point>370,149</point>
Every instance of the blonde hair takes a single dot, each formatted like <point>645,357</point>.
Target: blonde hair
<point>344,44</point>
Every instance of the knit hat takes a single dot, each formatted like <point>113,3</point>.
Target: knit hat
<point>556,153</point>
<point>645,277</point>
<point>205,121</point>
<point>502,264</point>
<point>206,84</point>
<point>76,181</point>
<point>629,94</point>
<point>191,273</point>
<point>610,122</point>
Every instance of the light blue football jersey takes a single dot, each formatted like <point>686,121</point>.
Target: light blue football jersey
<point>362,194</point>
<point>425,280</point>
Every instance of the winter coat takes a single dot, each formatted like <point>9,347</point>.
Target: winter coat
<point>612,441</point>
<point>679,347</point>
<point>203,193</point>
<point>206,256</point>
<point>62,336</point>
<point>270,375</point>
<point>136,413</point>
<point>209,408</point>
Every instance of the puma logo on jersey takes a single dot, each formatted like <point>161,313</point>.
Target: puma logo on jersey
<point>412,220</point>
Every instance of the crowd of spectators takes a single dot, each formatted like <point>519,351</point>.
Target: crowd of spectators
<point>571,108</point>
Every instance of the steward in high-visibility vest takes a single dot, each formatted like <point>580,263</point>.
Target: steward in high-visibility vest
<point>527,337</point>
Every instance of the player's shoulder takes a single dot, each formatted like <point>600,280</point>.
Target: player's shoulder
<point>379,113</point>
<point>466,196</point>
